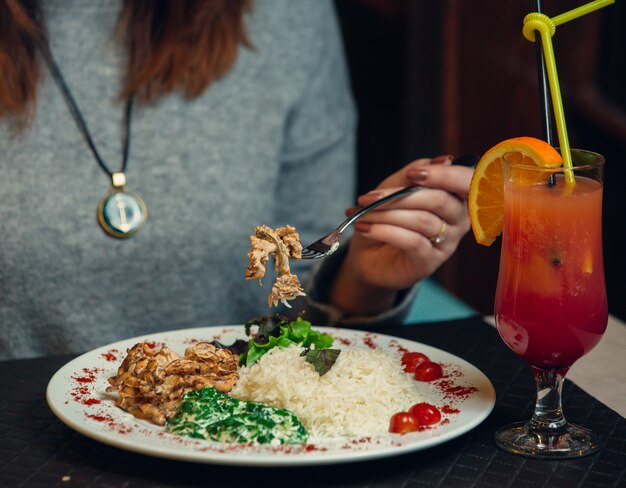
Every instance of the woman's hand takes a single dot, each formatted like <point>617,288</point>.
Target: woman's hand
<point>395,246</point>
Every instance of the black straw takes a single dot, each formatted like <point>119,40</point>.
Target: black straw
<point>544,90</point>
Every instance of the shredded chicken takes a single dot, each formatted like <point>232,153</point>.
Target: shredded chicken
<point>152,380</point>
<point>282,243</point>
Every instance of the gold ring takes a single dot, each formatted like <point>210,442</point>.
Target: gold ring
<point>440,237</point>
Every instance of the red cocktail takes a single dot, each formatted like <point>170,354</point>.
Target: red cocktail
<point>551,305</point>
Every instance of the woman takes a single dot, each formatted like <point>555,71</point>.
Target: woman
<point>231,115</point>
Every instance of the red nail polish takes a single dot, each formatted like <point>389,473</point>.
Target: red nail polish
<point>370,197</point>
<point>417,174</point>
<point>363,227</point>
<point>441,159</point>
<point>351,211</point>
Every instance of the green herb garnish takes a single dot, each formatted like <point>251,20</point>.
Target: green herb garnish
<point>277,331</point>
<point>321,359</point>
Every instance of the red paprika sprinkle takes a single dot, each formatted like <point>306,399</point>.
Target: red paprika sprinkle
<point>401,349</point>
<point>90,401</point>
<point>368,341</point>
<point>110,355</point>
<point>447,409</point>
<point>100,418</point>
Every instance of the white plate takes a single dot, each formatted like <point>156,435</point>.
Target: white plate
<point>76,394</point>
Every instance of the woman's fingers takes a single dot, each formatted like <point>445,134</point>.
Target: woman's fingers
<point>413,223</point>
<point>454,179</point>
<point>423,222</point>
<point>438,172</point>
<point>396,244</point>
<point>416,244</point>
<point>438,202</point>
<point>399,179</point>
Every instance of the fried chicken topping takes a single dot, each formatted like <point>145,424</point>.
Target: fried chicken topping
<point>282,243</point>
<point>152,380</point>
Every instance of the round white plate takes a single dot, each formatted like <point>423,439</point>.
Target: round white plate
<point>76,394</point>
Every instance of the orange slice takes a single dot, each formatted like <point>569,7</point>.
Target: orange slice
<point>485,201</point>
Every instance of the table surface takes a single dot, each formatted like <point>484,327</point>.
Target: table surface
<point>36,449</point>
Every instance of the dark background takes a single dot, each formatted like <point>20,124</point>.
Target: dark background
<point>457,77</point>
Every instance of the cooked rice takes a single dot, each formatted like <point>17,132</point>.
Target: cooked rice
<point>357,397</point>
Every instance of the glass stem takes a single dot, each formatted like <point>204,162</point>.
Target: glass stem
<point>548,416</point>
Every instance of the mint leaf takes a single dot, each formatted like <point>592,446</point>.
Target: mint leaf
<point>322,359</point>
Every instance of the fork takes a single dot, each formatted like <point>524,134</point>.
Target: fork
<point>330,243</point>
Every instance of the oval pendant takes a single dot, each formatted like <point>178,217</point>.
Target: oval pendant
<point>122,213</point>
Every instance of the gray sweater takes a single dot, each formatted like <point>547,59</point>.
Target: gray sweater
<point>271,143</point>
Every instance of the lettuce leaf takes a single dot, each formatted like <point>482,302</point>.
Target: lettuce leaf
<point>277,332</point>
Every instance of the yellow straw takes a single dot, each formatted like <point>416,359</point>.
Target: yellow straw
<point>580,11</point>
<point>546,27</point>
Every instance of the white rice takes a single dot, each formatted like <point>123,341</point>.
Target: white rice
<point>357,397</point>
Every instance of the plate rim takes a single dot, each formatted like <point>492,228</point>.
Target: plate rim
<point>241,458</point>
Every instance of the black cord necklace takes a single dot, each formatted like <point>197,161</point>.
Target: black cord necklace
<point>121,213</point>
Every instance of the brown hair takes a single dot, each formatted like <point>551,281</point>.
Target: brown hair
<point>172,45</point>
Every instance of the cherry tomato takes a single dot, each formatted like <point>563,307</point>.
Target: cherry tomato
<point>428,371</point>
<point>403,422</point>
<point>425,413</point>
<point>412,360</point>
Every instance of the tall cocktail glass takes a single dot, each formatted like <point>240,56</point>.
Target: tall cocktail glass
<point>551,305</point>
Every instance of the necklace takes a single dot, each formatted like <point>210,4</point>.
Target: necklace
<point>121,213</point>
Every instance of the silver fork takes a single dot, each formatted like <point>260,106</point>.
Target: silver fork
<point>330,243</point>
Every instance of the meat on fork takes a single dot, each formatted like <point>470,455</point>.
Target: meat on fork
<point>282,244</point>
